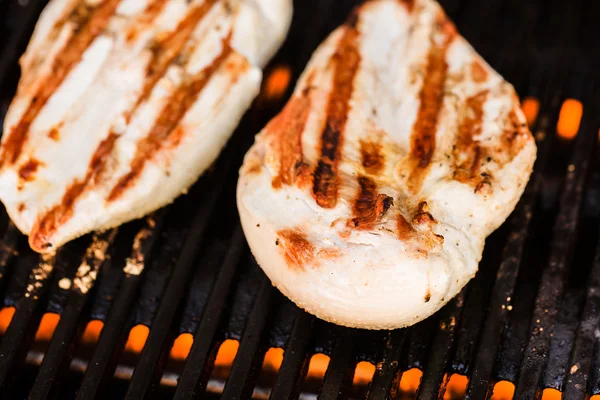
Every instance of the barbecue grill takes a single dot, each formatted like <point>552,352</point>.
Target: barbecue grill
<point>174,306</point>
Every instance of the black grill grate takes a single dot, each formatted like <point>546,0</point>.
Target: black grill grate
<point>531,316</point>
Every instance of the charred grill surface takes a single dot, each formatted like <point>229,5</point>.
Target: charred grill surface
<point>529,317</point>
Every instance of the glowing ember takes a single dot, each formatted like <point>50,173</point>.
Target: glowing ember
<point>227,353</point>
<point>456,387</point>
<point>503,390</point>
<point>551,394</point>
<point>277,82</point>
<point>363,374</point>
<point>410,381</point>
<point>273,359</point>
<point>569,119</point>
<point>6,315</point>
<point>318,365</point>
<point>47,327</point>
<point>92,331</point>
<point>182,346</point>
<point>531,108</point>
<point>137,338</point>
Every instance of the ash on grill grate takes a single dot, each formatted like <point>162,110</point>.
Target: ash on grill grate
<point>174,304</point>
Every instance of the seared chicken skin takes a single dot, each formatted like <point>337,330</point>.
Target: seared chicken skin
<point>368,199</point>
<point>122,104</point>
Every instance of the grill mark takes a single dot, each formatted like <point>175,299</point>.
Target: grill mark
<point>28,170</point>
<point>54,134</point>
<point>346,63</point>
<point>165,51</point>
<point>289,126</point>
<point>423,215</point>
<point>153,9</point>
<point>92,25</point>
<point>369,207</point>
<point>515,135</point>
<point>409,4</point>
<point>467,152</point>
<point>405,230</point>
<point>37,59</point>
<point>372,157</point>
<point>425,222</point>
<point>174,110</point>
<point>298,251</point>
<point>254,168</point>
<point>47,224</point>
<point>431,100</point>
<point>175,137</point>
<point>78,15</point>
<point>478,72</point>
<point>418,235</point>
<point>329,253</point>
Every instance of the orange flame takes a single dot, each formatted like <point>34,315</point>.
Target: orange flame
<point>6,315</point>
<point>277,82</point>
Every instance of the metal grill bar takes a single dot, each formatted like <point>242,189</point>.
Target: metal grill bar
<point>70,326</point>
<point>251,351</point>
<point>421,335</point>
<point>440,349</point>
<point>595,374</point>
<point>580,365</point>
<point>21,330</point>
<point>112,339</point>
<point>145,371</point>
<point>553,278</point>
<point>480,383</point>
<point>564,332</point>
<point>515,334</point>
<point>8,250</point>
<point>199,362</point>
<point>340,372</point>
<point>295,361</point>
<point>386,378</point>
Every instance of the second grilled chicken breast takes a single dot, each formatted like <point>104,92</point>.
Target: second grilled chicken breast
<point>124,103</point>
<point>367,201</point>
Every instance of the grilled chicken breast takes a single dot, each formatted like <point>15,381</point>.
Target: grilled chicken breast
<point>122,104</point>
<point>368,199</point>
